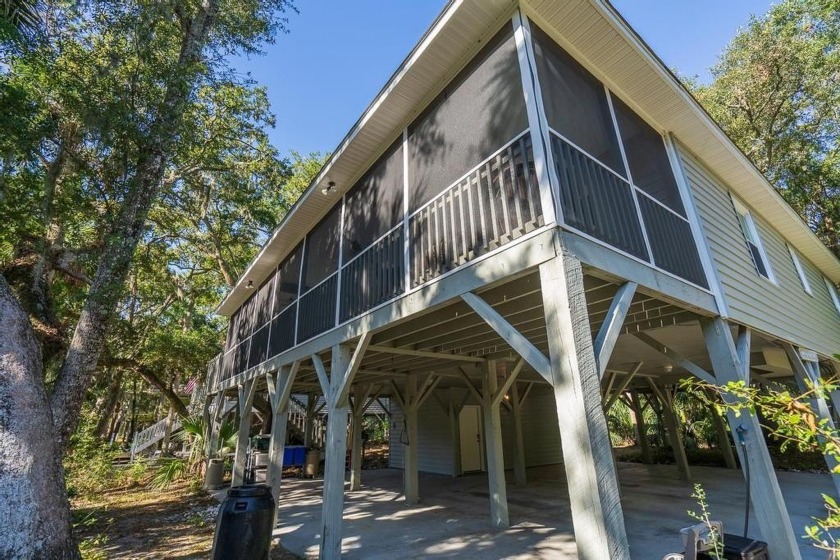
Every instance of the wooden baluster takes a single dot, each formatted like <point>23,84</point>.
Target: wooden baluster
<point>507,226</point>
<point>463,255</point>
<point>524,149</point>
<point>454,252</point>
<point>514,190</point>
<point>472,191</point>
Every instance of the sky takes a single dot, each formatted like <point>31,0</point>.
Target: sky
<point>338,54</point>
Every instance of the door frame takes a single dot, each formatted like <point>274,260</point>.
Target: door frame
<point>481,459</point>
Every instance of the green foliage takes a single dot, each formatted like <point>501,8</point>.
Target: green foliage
<point>91,547</point>
<point>194,430</point>
<point>81,111</point>
<point>169,470</point>
<point>89,466</point>
<point>377,429</point>
<point>775,93</point>
<point>19,20</point>
<point>791,419</point>
<point>620,424</point>
<point>715,539</point>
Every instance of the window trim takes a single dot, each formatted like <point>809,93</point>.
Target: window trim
<point>800,270</point>
<point>743,211</point>
<point>832,292</point>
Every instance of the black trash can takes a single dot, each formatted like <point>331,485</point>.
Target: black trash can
<point>741,548</point>
<point>244,524</point>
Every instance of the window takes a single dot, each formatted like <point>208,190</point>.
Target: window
<point>756,249</point>
<point>801,271</point>
<point>832,291</point>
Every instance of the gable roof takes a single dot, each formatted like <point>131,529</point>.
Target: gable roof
<point>596,34</point>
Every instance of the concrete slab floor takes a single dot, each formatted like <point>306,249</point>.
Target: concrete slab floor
<point>452,520</point>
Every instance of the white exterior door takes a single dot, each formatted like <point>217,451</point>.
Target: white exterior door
<point>470,422</point>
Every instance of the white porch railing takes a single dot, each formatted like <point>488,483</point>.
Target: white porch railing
<point>297,417</point>
<point>151,435</point>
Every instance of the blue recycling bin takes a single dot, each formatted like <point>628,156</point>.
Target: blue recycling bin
<point>294,455</point>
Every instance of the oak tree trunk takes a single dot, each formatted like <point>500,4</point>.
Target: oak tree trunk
<point>106,289</point>
<point>35,429</point>
<point>34,509</point>
<point>109,404</point>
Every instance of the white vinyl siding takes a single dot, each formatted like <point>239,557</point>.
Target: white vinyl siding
<point>806,285</point>
<point>539,431</point>
<point>433,438</point>
<point>783,309</point>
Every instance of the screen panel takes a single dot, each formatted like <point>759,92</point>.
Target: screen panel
<point>263,303</point>
<point>259,345</point>
<point>478,112</point>
<point>245,319</point>
<point>672,242</point>
<point>228,364</point>
<point>240,360</point>
<point>374,277</point>
<point>375,203</point>
<point>288,278</point>
<point>232,330</point>
<point>321,255</point>
<point>597,202</point>
<point>282,331</point>
<point>317,309</point>
<point>646,156</point>
<point>576,102</point>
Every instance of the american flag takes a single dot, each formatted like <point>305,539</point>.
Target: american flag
<point>190,386</point>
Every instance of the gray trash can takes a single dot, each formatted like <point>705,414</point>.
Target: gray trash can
<point>244,524</point>
<point>214,477</point>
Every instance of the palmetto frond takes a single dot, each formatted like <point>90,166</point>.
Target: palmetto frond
<point>21,14</point>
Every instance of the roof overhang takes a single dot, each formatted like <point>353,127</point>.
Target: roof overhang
<point>594,32</point>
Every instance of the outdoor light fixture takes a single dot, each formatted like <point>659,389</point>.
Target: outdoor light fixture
<point>250,284</point>
<point>668,368</point>
<point>330,186</point>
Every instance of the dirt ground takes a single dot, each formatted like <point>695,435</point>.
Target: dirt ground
<point>140,523</point>
<point>177,522</point>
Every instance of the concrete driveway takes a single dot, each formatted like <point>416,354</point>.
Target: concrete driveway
<point>452,520</point>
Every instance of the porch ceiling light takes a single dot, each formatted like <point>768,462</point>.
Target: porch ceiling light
<point>330,186</point>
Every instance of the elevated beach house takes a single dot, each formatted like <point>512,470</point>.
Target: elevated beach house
<point>531,220</point>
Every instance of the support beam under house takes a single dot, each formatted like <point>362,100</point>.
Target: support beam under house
<point>587,453</point>
<point>767,500</point>
<point>246,410</point>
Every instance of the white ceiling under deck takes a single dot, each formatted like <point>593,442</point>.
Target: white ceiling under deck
<point>452,341</point>
<point>453,338</point>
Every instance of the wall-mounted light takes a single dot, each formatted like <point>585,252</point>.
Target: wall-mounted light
<point>250,285</point>
<point>330,186</point>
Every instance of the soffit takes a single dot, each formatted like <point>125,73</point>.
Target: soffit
<point>591,30</point>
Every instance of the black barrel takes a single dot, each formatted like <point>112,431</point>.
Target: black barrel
<point>741,548</point>
<point>244,524</point>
